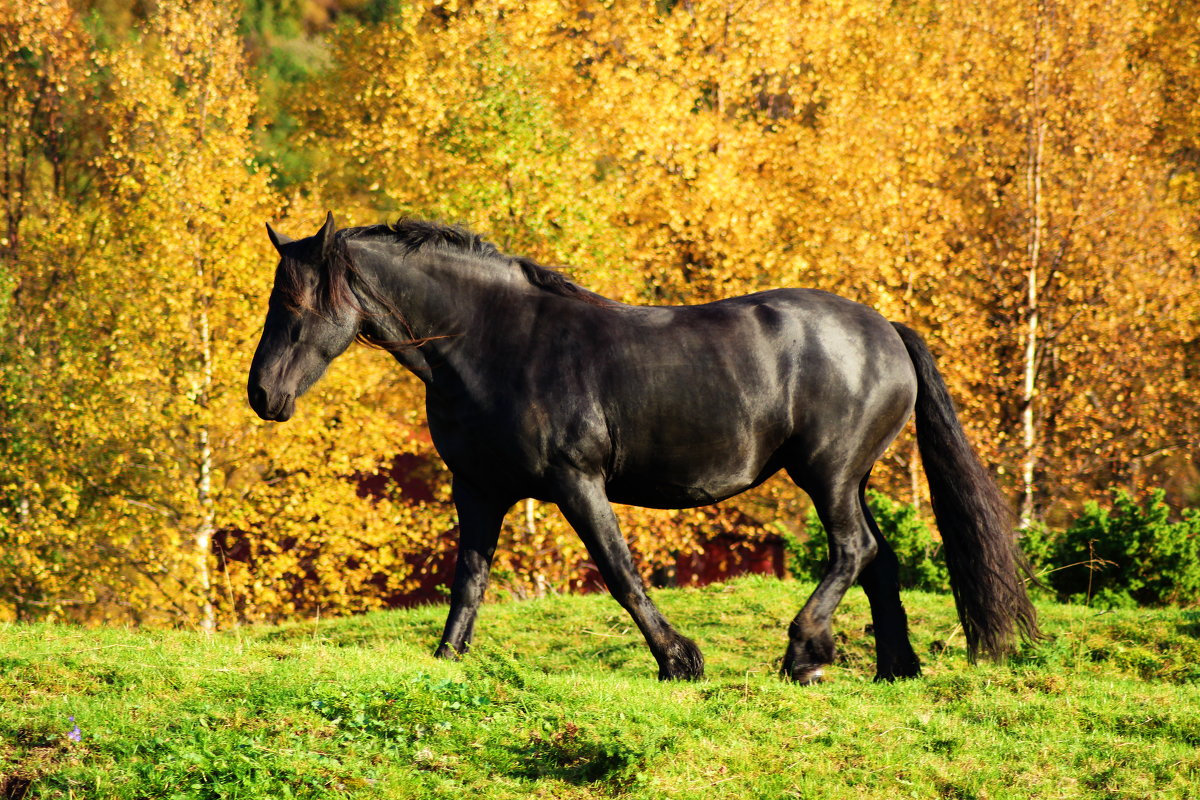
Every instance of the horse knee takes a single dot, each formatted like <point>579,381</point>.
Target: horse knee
<point>849,556</point>
<point>866,552</point>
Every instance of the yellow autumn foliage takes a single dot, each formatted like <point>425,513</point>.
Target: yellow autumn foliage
<point>1016,180</point>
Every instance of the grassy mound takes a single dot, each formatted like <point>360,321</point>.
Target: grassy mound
<point>559,700</point>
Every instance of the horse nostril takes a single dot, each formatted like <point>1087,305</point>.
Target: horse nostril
<point>258,397</point>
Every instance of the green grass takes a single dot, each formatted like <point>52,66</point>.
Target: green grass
<point>559,700</point>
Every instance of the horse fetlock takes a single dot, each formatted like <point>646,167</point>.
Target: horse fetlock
<point>807,656</point>
<point>897,665</point>
<point>449,652</point>
<point>680,660</point>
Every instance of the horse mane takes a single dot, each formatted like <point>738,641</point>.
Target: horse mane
<point>340,276</point>
<point>415,236</point>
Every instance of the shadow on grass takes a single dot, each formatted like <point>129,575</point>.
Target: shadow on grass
<point>14,787</point>
<point>1190,625</point>
<point>580,757</point>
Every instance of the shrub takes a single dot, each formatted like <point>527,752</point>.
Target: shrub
<point>921,563</point>
<point>1039,544</point>
<point>1130,554</point>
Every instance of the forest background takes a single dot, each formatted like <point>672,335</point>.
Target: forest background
<point>1018,180</point>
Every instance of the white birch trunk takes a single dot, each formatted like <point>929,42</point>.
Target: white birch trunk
<point>1029,383</point>
<point>206,526</point>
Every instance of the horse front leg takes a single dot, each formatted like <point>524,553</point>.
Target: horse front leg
<point>583,502</point>
<point>479,518</point>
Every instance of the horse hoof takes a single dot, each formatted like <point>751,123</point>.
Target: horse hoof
<point>446,652</point>
<point>807,656</point>
<point>806,676</point>
<point>683,662</point>
<point>906,672</point>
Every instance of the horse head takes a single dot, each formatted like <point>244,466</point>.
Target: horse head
<point>312,317</point>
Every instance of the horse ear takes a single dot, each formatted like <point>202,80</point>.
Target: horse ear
<point>277,239</point>
<point>325,235</point>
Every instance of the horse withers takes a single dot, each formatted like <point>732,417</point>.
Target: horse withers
<point>536,387</point>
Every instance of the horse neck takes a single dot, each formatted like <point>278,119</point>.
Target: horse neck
<point>443,298</point>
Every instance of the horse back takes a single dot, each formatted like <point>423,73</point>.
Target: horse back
<point>687,405</point>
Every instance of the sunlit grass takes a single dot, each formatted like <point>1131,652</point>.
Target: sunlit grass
<point>559,700</point>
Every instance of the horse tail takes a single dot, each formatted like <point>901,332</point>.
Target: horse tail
<point>973,517</point>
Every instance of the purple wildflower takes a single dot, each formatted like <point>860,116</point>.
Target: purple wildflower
<point>75,735</point>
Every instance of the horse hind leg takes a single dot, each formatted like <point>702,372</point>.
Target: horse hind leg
<point>880,579</point>
<point>851,548</point>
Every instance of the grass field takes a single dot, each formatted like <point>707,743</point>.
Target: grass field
<point>559,700</point>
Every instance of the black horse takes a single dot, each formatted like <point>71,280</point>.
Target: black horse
<point>538,388</point>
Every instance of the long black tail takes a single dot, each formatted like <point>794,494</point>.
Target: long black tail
<point>973,517</point>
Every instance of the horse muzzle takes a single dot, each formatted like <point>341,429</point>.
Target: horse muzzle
<point>274,409</point>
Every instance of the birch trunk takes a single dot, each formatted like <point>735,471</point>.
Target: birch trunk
<point>204,468</point>
<point>1029,383</point>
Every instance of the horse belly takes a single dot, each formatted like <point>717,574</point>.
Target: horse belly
<point>682,463</point>
<point>657,492</point>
